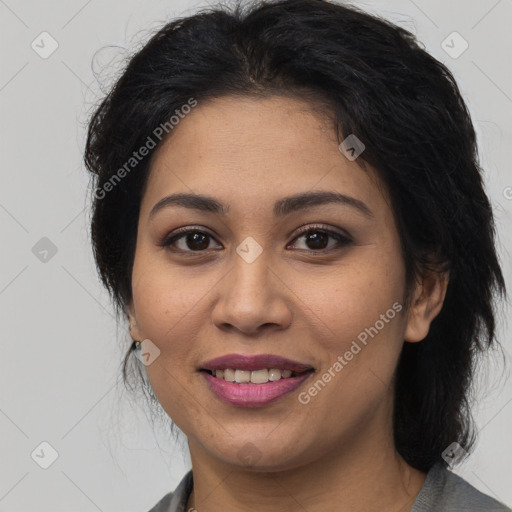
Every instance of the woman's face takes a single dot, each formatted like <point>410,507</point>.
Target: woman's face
<point>320,283</point>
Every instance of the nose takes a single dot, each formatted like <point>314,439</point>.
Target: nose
<point>252,297</point>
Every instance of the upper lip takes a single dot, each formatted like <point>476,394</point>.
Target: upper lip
<point>254,362</point>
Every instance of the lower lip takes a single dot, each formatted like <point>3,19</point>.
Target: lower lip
<point>253,395</point>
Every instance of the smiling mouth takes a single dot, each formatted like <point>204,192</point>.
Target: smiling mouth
<point>260,376</point>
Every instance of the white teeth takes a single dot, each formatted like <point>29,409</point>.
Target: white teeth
<point>229,375</point>
<point>256,377</point>
<point>259,376</point>
<point>242,376</point>
<point>274,374</point>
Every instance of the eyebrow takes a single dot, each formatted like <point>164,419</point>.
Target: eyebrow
<point>282,207</point>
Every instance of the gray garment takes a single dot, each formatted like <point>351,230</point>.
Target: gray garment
<point>442,491</point>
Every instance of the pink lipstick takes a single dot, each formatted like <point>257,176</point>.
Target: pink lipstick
<point>253,380</point>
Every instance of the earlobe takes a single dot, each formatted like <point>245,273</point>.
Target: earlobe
<point>134,330</point>
<point>426,304</point>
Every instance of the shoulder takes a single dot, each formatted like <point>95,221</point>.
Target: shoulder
<point>176,501</point>
<point>444,491</point>
<point>163,505</point>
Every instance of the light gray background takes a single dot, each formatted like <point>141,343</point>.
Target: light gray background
<point>60,347</point>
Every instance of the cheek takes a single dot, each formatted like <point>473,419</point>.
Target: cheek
<point>355,296</point>
<point>165,299</point>
<point>168,309</point>
<point>366,336</point>
<point>362,306</point>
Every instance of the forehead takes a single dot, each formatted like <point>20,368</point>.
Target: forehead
<point>256,149</point>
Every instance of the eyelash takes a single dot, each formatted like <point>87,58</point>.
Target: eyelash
<point>342,240</point>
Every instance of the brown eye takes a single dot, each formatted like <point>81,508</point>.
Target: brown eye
<point>187,240</point>
<point>317,239</point>
<point>197,241</point>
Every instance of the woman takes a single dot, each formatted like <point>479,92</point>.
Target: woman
<point>288,209</point>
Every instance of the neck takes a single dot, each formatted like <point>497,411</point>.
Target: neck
<point>369,476</point>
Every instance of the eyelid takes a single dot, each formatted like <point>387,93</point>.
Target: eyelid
<point>342,237</point>
<point>166,240</point>
<point>305,228</point>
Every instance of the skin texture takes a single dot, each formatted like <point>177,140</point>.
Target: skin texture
<point>335,452</point>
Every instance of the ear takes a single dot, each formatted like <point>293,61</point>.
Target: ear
<point>427,302</point>
<point>134,330</point>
